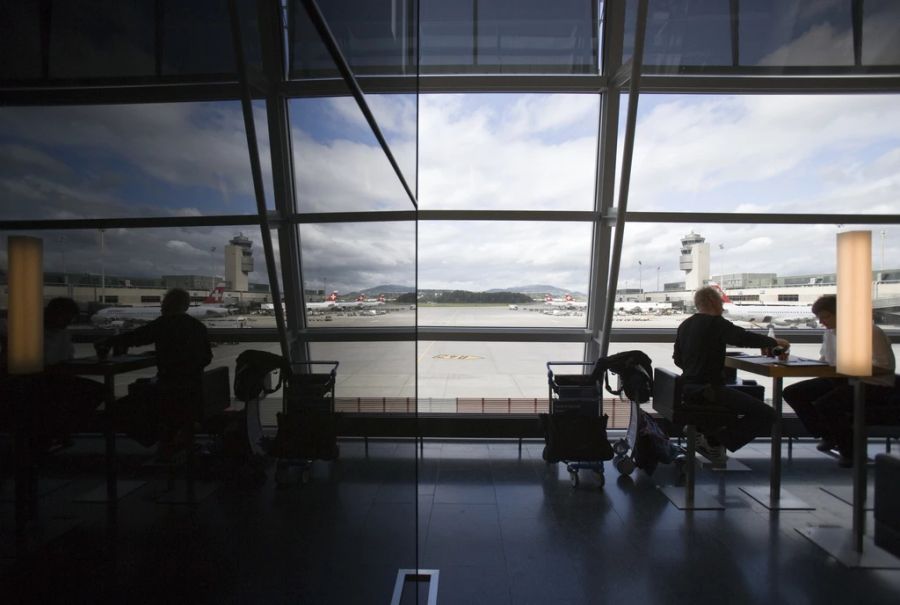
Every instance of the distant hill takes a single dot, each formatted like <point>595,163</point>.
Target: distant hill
<point>535,288</point>
<point>387,289</point>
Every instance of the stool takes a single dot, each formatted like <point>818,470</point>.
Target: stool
<point>668,400</point>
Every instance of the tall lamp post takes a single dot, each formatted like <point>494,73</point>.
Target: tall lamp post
<point>640,278</point>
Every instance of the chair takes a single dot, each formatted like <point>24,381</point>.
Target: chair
<point>668,401</point>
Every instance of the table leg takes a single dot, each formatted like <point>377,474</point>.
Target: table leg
<point>776,499</point>
<point>111,485</point>
<point>859,464</point>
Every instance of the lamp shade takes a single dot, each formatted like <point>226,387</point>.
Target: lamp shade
<point>854,297</point>
<point>25,281</point>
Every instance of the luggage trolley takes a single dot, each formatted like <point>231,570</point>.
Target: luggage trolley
<point>575,428</point>
<point>307,424</point>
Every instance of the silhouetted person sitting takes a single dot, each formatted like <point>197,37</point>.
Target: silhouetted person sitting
<point>825,405</point>
<point>70,401</point>
<point>700,353</point>
<point>166,413</point>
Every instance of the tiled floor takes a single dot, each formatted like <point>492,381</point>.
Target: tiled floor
<point>502,528</point>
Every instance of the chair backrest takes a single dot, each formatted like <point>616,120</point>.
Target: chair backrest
<point>666,393</point>
<point>216,391</point>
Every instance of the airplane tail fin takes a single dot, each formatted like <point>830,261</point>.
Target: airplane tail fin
<point>381,298</point>
<point>548,298</point>
<point>569,297</point>
<point>333,296</point>
<point>216,295</point>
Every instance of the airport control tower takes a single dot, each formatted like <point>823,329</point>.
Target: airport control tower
<point>694,261</point>
<point>238,263</point>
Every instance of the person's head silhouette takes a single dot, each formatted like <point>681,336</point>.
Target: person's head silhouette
<point>175,302</point>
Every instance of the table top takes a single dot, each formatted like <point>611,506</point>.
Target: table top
<point>776,368</point>
<point>114,364</point>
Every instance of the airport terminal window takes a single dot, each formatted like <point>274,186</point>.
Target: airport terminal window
<point>756,258</point>
<point>339,165</point>
<point>111,161</point>
<point>508,151</point>
<point>127,271</point>
<point>495,273</point>
<point>365,272</point>
<point>779,158</point>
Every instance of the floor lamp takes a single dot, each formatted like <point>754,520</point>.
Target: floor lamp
<point>854,359</point>
<point>25,357</point>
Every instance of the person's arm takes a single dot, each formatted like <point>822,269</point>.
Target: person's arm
<point>739,337</point>
<point>144,335</point>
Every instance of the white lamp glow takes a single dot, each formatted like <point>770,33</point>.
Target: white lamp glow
<point>854,297</point>
<point>26,305</point>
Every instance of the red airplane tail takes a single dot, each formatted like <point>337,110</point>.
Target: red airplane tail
<point>721,292</point>
<point>216,296</point>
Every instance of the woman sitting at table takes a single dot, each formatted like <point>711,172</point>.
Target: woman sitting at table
<point>825,405</point>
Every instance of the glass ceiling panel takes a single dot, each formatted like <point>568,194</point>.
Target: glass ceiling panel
<point>509,36</point>
<point>881,32</point>
<point>102,38</point>
<point>817,154</point>
<point>113,161</point>
<point>20,41</point>
<point>374,37</point>
<point>508,151</point>
<point>764,35</point>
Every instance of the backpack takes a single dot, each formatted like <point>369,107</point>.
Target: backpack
<point>635,372</point>
<point>251,369</point>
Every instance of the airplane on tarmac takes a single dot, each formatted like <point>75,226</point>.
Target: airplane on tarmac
<point>330,303</point>
<point>212,306</point>
<point>631,307</point>
<point>362,301</point>
<point>779,315</point>
<point>566,303</point>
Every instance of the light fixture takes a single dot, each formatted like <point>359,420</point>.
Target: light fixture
<point>25,279</point>
<point>854,297</point>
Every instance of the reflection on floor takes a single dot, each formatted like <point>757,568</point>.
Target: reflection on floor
<point>502,527</point>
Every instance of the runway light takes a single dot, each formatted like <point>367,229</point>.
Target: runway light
<point>854,297</point>
<point>26,305</point>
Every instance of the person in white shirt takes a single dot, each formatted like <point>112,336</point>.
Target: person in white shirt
<point>825,405</point>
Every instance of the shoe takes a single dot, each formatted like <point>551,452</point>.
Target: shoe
<point>826,445</point>
<point>716,454</point>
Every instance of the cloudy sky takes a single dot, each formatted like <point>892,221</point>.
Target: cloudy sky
<point>794,154</point>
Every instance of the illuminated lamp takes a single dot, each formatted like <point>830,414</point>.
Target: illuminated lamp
<point>854,296</point>
<point>25,320</point>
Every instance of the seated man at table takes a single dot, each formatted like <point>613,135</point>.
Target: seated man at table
<point>825,405</point>
<point>166,413</point>
<point>700,353</point>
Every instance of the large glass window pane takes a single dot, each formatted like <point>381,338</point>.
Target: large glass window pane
<point>508,152</point>
<point>359,274</point>
<point>102,39</point>
<point>815,154</point>
<point>119,276</point>
<point>500,273</point>
<point>178,159</point>
<point>772,273</point>
<point>338,162</point>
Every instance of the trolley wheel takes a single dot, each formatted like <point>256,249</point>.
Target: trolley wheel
<point>573,476</point>
<point>625,465</point>
<point>601,477</point>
